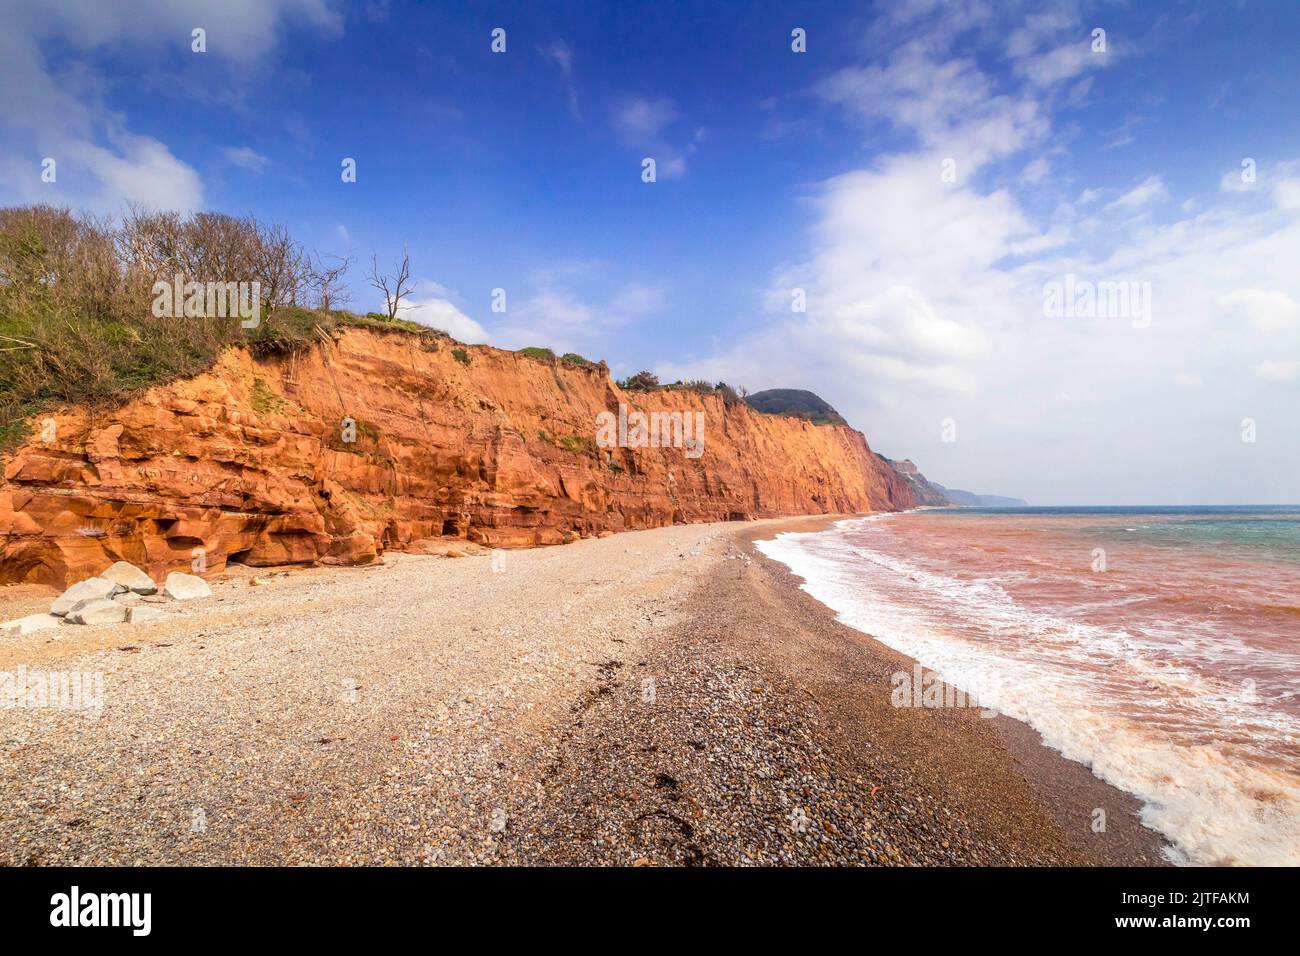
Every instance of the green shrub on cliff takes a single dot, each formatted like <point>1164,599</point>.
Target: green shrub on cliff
<point>640,382</point>
<point>263,399</point>
<point>573,358</point>
<point>77,317</point>
<point>796,403</point>
<point>579,444</point>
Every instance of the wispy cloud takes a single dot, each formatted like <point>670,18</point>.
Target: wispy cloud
<point>245,157</point>
<point>641,120</point>
<point>558,52</point>
<point>645,124</point>
<point>1148,191</point>
<point>562,311</point>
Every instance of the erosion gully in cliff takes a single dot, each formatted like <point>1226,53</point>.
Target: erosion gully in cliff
<point>248,462</point>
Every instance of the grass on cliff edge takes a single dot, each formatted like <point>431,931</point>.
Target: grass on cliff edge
<point>56,357</point>
<point>55,353</point>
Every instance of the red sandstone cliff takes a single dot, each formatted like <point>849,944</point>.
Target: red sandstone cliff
<point>248,462</point>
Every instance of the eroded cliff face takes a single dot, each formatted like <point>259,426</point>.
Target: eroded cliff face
<point>924,491</point>
<point>249,462</point>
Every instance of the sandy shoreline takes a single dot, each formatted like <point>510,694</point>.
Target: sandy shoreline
<point>656,697</point>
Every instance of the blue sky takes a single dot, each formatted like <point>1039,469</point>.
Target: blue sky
<point>776,170</point>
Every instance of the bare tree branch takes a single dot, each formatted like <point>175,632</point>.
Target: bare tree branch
<point>327,281</point>
<point>395,288</point>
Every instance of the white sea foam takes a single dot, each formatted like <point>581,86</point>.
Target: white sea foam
<point>1104,697</point>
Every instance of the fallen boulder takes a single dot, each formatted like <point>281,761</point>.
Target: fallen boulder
<point>98,611</point>
<point>185,587</point>
<point>29,624</point>
<point>130,577</point>
<point>143,612</point>
<point>87,590</point>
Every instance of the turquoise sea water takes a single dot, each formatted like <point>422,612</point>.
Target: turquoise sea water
<point>1266,532</point>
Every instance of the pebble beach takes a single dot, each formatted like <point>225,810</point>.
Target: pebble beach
<point>661,697</point>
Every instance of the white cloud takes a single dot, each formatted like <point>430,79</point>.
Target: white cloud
<point>1061,63</point>
<point>669,164</point>
<point>637,299</point>
<point>949,104</point>
<point>1280,179</point>
<point>1232,182</point>
<point>641,121</point>
<point>101,162</point>
<point>1037,30</point>
<point>554,316</point>
<point>901,269</point>
<point>1054,46</point>
<point>141,170</point>
<point>431,305</point>
<point>1287,194</point>
<point>549,316</point>
<point>1036,170</point>
<point>558,52</point>
<point>1265,310</point>
<point>925,302</point>
<point>1278,371</point>
<point>1148,191</point>
<point>245,157</point>
<point>239,30</point>
<point>644,124</point>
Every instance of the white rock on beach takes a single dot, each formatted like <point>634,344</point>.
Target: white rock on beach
<point>29,624</point>
<point>143,612</point>
<point>87,590</point>
<point>130,577</point>
<point>185,587</point>
<point>98,611</point>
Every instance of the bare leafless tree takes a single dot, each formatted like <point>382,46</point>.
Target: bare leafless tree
<point>150,244</point>
<point>327,280</point>
<point>280,265</point>
<point>395,288</point>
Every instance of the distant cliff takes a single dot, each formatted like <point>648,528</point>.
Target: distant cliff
<point>925,491</point>
<point>800,403</point>
<point>252,461</point>
<point>932,493</point>
<point>797,403</point>
<point>972,500</point>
